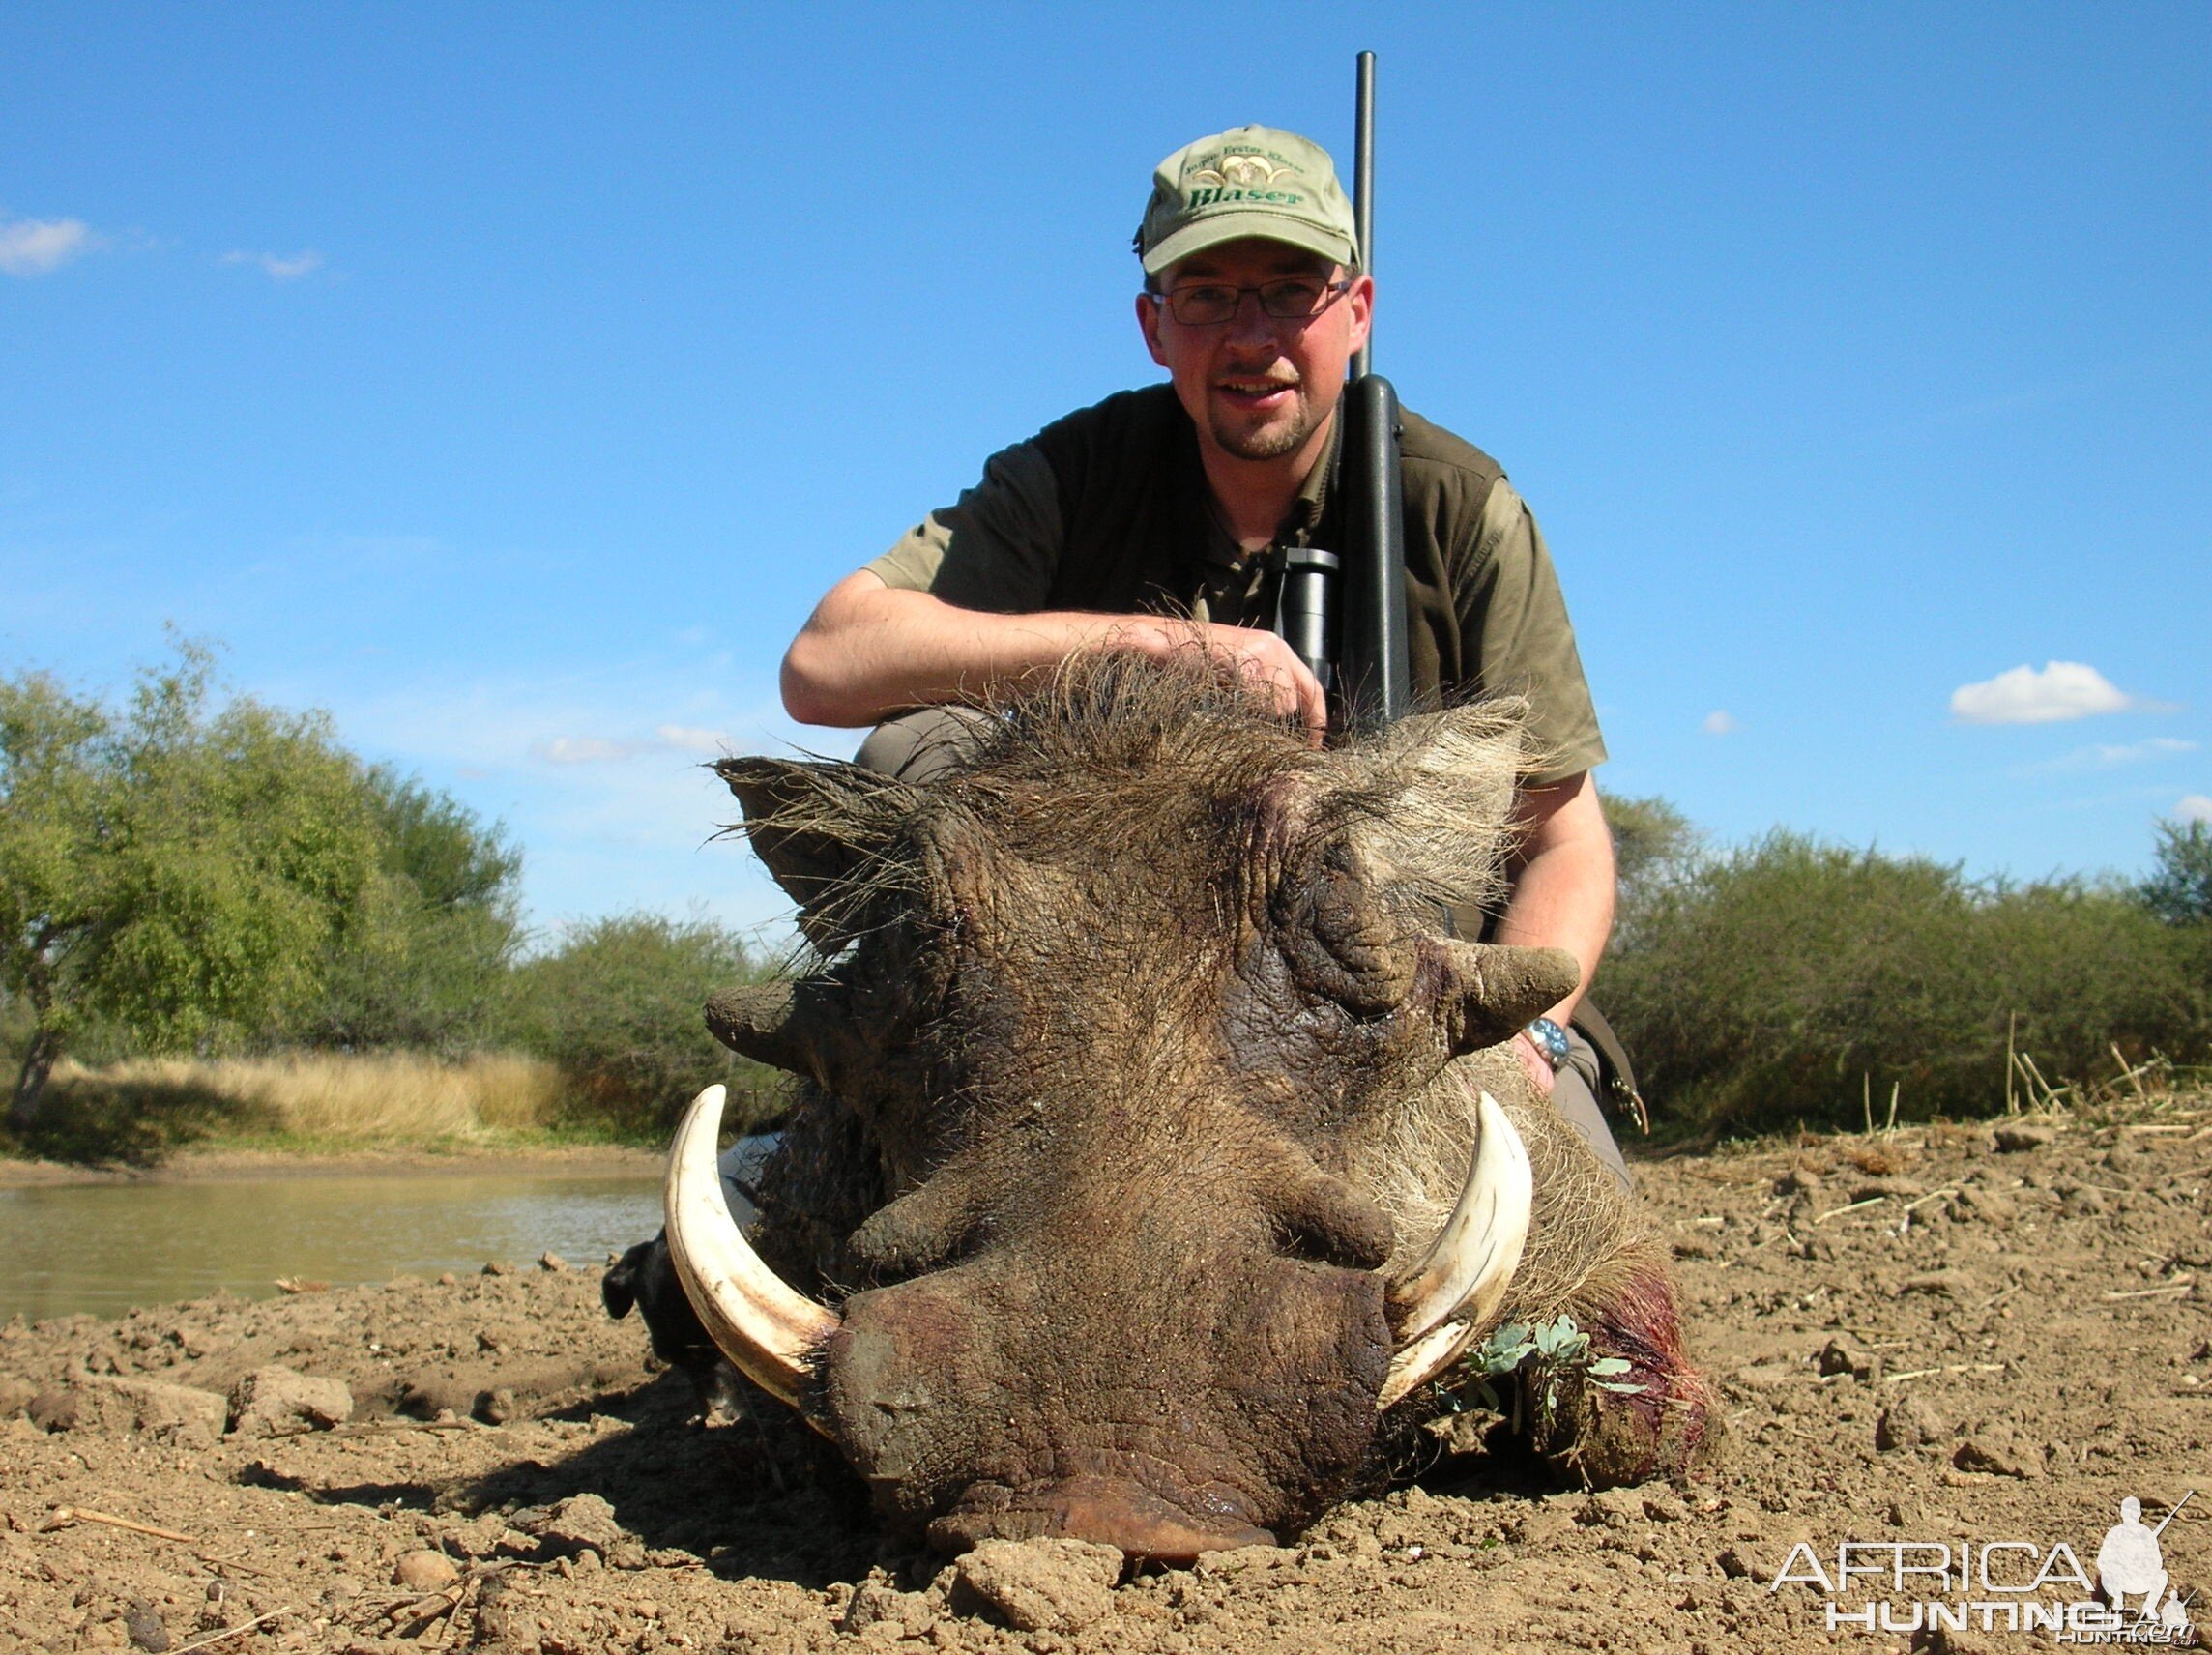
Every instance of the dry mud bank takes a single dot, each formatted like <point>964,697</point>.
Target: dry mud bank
<point>1921,1338</point>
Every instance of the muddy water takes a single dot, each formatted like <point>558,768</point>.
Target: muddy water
<point>104,1248</point>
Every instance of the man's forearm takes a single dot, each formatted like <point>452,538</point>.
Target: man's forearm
<point>870,652</point>
<point>1562,893</point>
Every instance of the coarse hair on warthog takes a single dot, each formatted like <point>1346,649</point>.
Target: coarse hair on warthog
<point>1156,1147</point>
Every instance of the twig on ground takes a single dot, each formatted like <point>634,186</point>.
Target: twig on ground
<point>1857,1206</point>
<point>1953,1368</point>
<point>2179,1283</point>
<point>2053,1096</point>
<point>64,1516</point>
<point>229,1632</point>
<point>419,1612</point>
<point>444,1634</point>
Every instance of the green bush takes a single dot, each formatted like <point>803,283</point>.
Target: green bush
<point>617,1007</point>
<point>1653,841</point>
<point>2180,890</point>
<point>1654,847</point>
<point>1789,979</point>
<point>425,966</point>
<point>171,868</point>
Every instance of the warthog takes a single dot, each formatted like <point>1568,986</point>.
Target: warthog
<point>1156,1150</point>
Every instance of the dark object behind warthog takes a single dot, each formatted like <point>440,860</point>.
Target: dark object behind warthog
<point>643,1277</point>
<point>1139,1063</point>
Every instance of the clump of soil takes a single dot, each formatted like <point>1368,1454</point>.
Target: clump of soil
<point>1918,1336</point>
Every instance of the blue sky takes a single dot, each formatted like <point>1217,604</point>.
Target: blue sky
<point>509,381</point>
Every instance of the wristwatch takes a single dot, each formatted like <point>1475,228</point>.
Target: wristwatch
<point>1551,1040</point>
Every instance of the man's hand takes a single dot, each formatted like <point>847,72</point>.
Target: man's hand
<point>1541,1074</point>
<point>1262,659</point>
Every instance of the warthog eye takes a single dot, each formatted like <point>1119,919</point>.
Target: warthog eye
<point>1340,941</point>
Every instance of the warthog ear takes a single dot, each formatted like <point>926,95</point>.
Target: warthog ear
<point>815,825</point>
<point>1429,800</point>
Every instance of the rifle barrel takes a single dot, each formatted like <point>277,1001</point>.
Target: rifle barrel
<point>1364,186</point>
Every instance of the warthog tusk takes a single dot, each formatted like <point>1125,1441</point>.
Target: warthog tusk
<point>1437,1310</point>
<point>765,1327</point>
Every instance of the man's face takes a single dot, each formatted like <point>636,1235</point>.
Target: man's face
<point>1259,386</point>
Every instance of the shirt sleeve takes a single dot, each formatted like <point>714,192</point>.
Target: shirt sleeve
<point>997,549</point>
<point>1513,616</point>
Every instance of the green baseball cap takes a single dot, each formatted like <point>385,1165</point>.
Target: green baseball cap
<point>1250,181</point>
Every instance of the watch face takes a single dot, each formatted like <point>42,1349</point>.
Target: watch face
<point>1552,1039</point>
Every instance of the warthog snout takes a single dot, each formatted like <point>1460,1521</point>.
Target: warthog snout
<point>992,1400</point>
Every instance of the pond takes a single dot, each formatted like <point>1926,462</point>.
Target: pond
<point>106,1248</point>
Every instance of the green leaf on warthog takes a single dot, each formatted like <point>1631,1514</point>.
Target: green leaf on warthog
<point>1543,1356</point>
<point>1604,1373</point>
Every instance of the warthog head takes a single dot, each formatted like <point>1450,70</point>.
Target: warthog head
<point>1137,1174</point>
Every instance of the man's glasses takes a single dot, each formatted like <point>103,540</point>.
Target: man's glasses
<point>1289,299</point>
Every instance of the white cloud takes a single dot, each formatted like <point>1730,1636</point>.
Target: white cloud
<point>584,751</point>
<point>666,738</point>
<point>2193,807</point>
<point>32,247</point>
<point>1720,723</point>
<point>306,262</point>
<point>2061,691</point>
<point>2105,757</point>
<point>685,739</point>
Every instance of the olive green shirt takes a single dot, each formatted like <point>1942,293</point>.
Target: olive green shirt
<point>1107,511</point>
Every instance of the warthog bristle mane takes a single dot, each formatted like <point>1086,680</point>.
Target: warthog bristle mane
<point>1106,735</point>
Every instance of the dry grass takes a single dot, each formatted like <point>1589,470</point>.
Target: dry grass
<point>376,1096</point>
<point>2153,1102</point>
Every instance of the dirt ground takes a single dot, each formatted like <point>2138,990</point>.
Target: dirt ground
<point>1920,1338</point>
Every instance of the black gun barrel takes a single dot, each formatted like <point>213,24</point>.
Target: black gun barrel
<point>1374,670</point>
<point>1363,183</point>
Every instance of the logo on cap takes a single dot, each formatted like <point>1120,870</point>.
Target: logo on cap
<point>1245,171</point>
